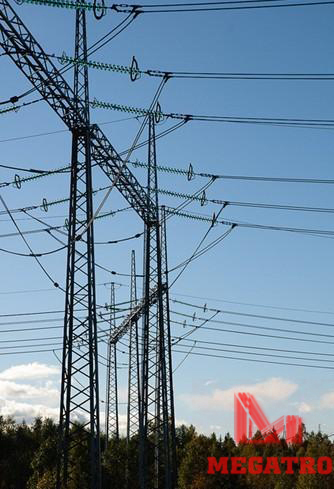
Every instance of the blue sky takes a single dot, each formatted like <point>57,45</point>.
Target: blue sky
<point>261,267</point>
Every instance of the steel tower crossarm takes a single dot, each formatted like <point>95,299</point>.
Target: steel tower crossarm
<point>134,315</point>
<point>29,56</point>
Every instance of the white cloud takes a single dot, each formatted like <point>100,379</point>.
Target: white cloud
<point>32,370</point>
<point>122,422</point>
<point>28,412</point>
<point>27,400</point>
<point>304,407</point>
<point>180,422</point>
<point>26,391</point>
<point>327,401</point>
<point>274,389</point>
<point>210,382</point>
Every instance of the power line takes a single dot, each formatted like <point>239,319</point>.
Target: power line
<point>190,173</point>
<point>201,217</point>
<point>195,345</point>
<point>258,347</point>
<point>257,316</point>
<point>198,253</point>
<point>51,228</point>
<point>192,257</point>
<point>16,108</point>
<point>128,155</point>
<point>179,8</point>
<point>134,72</point>
<point>204,200</point>
<point>61,311</point>
<point>288,122</point>
<point>48,320</point>
<point>207,355</point>
<point>122,240</point>
<point>25,291</point>
<point>262,335</point>
<point>114,32</point>
<point>254,305</point>
<point>42,134</point>
<point>29,247</point>
<point>255,353</point>
<point>32,255</point>
<point>191,353</point>
<point>30,170</point>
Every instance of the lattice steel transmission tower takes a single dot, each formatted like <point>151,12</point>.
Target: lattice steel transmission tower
<point>112,423</point>
<point>134,368</point>
<point>157,428</point>
<point>79,387</point>
<point>79,397</point>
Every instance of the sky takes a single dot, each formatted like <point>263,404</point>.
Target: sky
<point>251,272</point>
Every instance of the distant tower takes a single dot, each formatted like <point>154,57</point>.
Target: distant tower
<point>112,423</point>
<point>157,413</point>
<point>133,386</point>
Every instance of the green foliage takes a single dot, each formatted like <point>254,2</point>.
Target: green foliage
<point>28,458</point>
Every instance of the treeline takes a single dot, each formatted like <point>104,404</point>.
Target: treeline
<point>28,457</point>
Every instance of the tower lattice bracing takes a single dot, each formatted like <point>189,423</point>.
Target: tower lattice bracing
<point>79,385</point>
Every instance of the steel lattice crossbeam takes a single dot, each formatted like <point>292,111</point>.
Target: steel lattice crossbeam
<point>31,59</point>
<point>134,315</point>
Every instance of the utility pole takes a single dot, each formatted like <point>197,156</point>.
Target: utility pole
<point>156,398</point>
<point>79,386</point>
<point>112,423</point>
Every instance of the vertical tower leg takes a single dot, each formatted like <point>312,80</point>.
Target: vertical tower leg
<point>79,405</point>
<point>168,351</point>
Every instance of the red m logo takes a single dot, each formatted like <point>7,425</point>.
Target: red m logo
<point>247,414</point>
